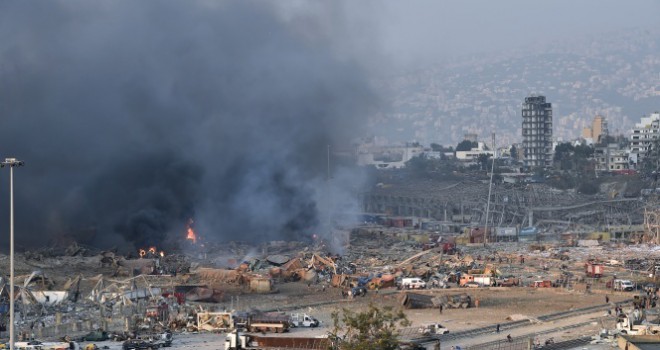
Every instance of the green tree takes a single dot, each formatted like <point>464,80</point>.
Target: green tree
<point>588,187</point>
<point>373,329</point>
<point>583,151</point>
<point>466,145</point>
<point>483,161</point>
<point>418,165</point>
<point>563,151</point>
<point>514,152</point>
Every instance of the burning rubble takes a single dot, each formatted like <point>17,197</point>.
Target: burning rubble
<point>175,290</point>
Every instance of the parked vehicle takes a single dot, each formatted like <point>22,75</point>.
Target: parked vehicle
<point>480,279</point>
<point>358,291</point>
<point>542,284</point>
<point>412,283</point>
<point>262,322</point>
<point>28,345</point>
<point>471,285</point>
<point>304,320</point>
<point>623,285</point>
<point>140,344</point>
<point>508,282</point>
<point>236,340</point>
<point>163,339</point>
<point>594,270</point>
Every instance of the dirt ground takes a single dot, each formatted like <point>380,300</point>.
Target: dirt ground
<point>496,304</point>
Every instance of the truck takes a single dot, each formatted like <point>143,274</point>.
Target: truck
<point>594,270</point>
<point>262,322</point>
<point>542,284</point>
<point>508,282</point>
<point>478,280</point>
<point>304,320</point>
<point>236,340</point>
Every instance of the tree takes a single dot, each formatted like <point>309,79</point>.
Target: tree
<point>466,145</point>
<point>418,165</point>
<point>373,329</point>
<point>483,161</point>
<point>604,140</point>
<point>588,187</point>
<point>583,151</point>
<point>514,152</point>
<point>563,151</point>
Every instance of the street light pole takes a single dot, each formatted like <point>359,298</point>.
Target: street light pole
<point>11,163</point>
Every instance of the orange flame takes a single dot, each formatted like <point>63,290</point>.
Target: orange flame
<point>191,236</point>
<point>151,252</point>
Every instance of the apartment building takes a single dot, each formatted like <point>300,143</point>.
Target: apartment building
<point>642,137</point>
<point>597,130</point>
<point>537,132</point>
<point>610,157</point>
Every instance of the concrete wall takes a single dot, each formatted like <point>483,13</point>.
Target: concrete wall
<point>638,342</point>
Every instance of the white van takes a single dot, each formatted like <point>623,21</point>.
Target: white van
<point>412,283</point>
<point>623,285</point>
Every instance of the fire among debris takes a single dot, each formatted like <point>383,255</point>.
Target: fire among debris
<point>191,236</point>
<point>152,252</point>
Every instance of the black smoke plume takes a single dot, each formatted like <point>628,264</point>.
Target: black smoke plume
<point>134,116</point>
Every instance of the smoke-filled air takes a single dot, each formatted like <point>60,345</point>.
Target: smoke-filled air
<point>134,118</point>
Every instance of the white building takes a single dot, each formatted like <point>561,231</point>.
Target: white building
<point>610,157</point>
<point>473,154</point>
<point>642,137</point>
<point>387,157</point>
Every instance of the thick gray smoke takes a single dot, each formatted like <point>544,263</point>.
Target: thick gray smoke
<point>133,117</point>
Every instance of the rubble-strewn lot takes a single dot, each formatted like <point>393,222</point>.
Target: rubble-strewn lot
<point>73,291</point>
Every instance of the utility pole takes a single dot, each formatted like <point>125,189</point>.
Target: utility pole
<point>11,163</point>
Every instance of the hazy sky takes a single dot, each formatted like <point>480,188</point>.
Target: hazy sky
<point>426,30</point>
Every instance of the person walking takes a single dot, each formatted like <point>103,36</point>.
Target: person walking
<point>607,299</point>
<point>440,308</point>
<point>508,337</point>
<point>497,330</point>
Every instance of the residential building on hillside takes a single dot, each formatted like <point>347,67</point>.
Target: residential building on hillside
<point>537,132</point>
<point>597,130</point>
<point>473,154</point>
<point>643,136</point>
<point>387,157</point>
<point>610,157</point>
